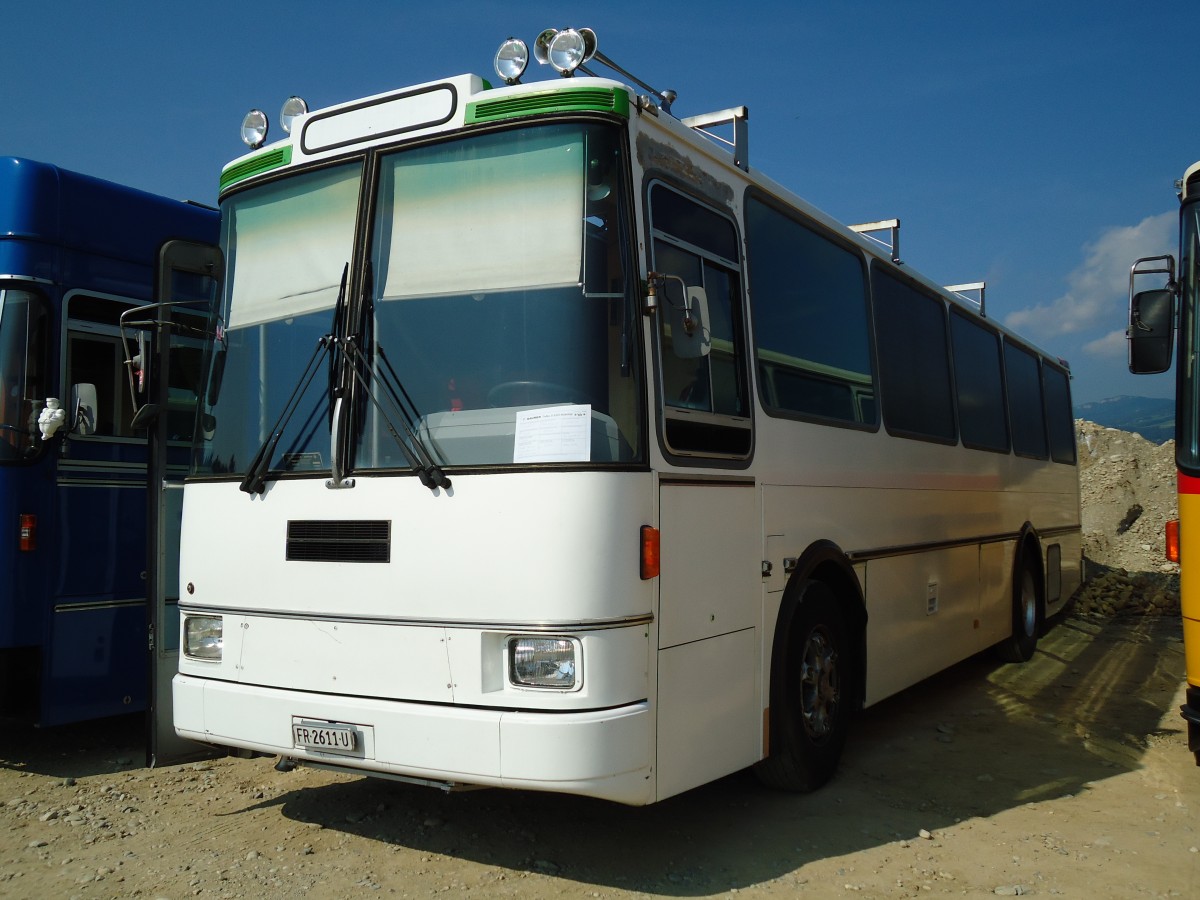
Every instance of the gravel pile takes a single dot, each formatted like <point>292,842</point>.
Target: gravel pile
<point>1127,491</point>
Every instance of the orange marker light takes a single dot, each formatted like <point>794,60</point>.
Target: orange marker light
<point>649,552</point>
<point>28,540</point>
<point>1172,534</point>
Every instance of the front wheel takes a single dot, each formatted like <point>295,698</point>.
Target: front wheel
<point>811,695</point>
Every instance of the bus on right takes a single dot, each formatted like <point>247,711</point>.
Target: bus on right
<point>1154,315</point>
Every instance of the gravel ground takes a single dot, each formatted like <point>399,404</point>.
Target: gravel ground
<point>1067,776</point>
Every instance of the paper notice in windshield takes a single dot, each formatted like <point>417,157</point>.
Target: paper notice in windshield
<point>554,434</point>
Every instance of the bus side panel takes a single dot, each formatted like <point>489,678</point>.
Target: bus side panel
<point>97,663</point>
<point>709,709</point>
<point>711,569</point>
<point>708,721</point>
<point>921,613</point>
<point>1189,577</point>
<point>995,592</point>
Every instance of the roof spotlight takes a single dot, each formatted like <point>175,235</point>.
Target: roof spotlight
<point>254,129</point>
<point>569,49</point>
<point>293,107</point>
<point>511,60</point>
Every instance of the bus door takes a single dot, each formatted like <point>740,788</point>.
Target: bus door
<point>167,370</point>
<point>709,723</point>
<point>94,633</point>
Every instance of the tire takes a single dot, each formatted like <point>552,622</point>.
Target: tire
<point>1019,646</point>
<point>812,694</point>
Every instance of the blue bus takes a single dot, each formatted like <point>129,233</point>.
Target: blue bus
<point>76,253</point>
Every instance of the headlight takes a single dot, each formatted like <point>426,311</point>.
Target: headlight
<point>203,637</point>
<point>542,662</point>
<point>254,129</point>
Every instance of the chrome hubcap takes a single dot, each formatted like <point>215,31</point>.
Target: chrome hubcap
<point>820,684</point>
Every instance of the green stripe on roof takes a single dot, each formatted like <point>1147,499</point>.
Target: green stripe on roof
<point>256,165</point>
<point>609,100</point>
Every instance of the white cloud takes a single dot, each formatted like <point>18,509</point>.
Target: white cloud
<point>1096,287</point>
<point>1111,346</point>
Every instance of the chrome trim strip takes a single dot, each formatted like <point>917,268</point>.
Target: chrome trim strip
<point>100,482</point>
<point>99,604</point>
<point>701,479</point>
<point>856,556</point>
<point>188,607</point>
<point>29,278</point>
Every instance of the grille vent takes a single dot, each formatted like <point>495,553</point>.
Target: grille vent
<point>564,99</point>
<point>346,540</point>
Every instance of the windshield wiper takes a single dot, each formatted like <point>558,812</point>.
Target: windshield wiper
<point>415,452</point>
<point>256,473</point>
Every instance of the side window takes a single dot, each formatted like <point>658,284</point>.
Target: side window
<point>96,361</point>
<point>701,336</point>
<point>1060,422</point>
<point>1025,409</point>
<point>808,300</point>
<point>23,365</point>
<point>914,360</point>
<point>978,383</point>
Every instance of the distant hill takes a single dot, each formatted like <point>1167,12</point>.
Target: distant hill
<point>1151,417</point>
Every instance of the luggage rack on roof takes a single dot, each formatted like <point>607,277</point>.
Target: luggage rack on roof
<point>892,226</point>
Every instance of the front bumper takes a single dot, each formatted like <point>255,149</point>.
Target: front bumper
<point>599,753</point>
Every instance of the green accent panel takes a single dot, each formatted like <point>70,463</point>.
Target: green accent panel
<point>256,165</point>
<point>560,100</point>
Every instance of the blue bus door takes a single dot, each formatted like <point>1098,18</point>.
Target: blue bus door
<point>169,369</point>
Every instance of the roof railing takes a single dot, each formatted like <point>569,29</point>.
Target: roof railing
<point>869,230</point>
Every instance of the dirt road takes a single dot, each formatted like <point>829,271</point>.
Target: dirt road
<point>1067,776</point>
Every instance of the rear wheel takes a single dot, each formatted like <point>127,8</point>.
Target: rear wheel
<point>1026,619</point>
<point>811,695</point>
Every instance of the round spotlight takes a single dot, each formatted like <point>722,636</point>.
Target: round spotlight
<point>511,60</point>
<point>293,107</point>
<point>254,129</point>
<point>568,51</point>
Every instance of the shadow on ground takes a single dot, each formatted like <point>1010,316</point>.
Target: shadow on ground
<point>974,741</point>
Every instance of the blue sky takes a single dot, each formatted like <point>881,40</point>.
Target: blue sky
<point>1031,145</point>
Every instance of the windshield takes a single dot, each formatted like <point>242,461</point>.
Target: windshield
<point>1187,450</point>
<point>23,335</point>
<point>493,325</point>
<point>286,246</point>
<point>500,299</point>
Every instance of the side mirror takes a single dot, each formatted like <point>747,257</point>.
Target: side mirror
<point>84,409</point>
<point>1151,331</point>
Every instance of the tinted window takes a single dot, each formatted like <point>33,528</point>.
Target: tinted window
<point>1060,425</point>
<point>693,223</point>
<point>1024,401</point>
<point>808,303</point>
<point>914,362</point>
<point>978,383</point>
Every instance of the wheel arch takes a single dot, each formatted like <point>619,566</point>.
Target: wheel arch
<point>822,561</point>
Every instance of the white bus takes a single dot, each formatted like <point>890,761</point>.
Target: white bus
<point>549,445</point>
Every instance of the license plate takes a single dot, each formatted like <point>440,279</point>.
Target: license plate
<point>331,738</point>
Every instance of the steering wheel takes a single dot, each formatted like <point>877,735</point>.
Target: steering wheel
<point>529,393</point>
